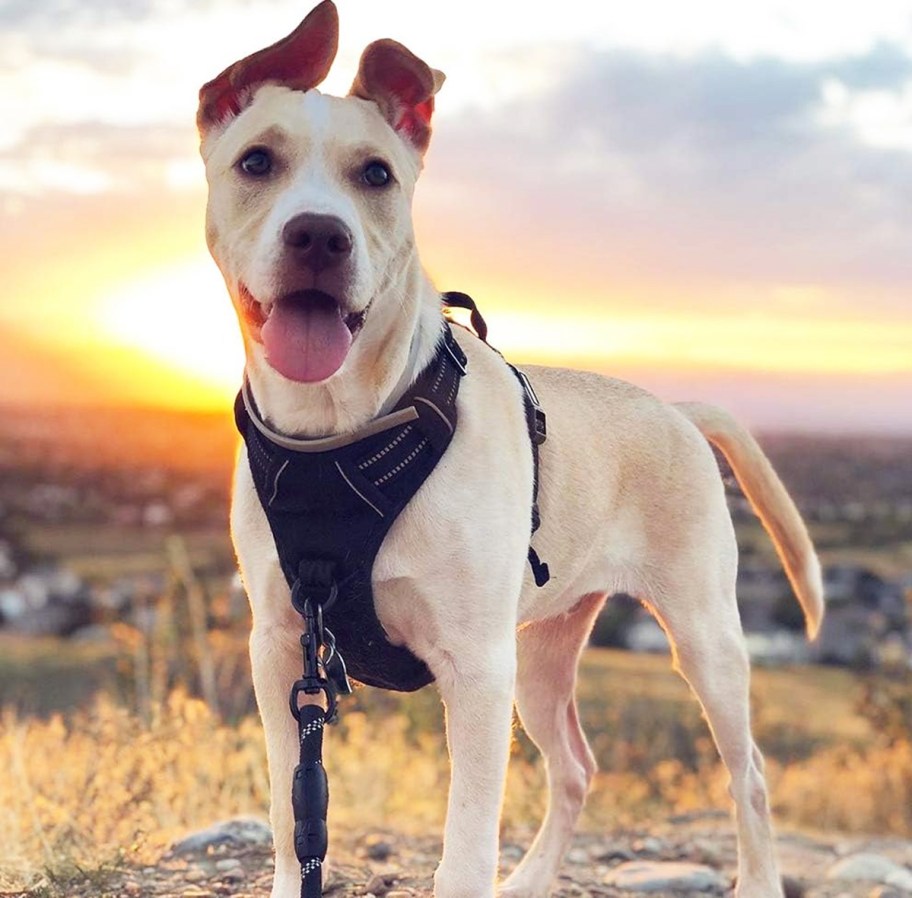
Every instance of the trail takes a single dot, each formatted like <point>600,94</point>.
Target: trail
<point>391,865</point>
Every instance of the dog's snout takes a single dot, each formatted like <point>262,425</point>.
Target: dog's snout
<point>318,241</point>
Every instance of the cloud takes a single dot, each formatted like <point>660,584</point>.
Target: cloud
<point>97,157</point>
<point>698,169</point>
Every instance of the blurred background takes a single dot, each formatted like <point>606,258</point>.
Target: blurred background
<point>711,200</point>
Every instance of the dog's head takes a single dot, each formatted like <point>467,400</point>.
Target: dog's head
<point>309,213</point>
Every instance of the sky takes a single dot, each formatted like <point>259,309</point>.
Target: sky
<point>713,200</point>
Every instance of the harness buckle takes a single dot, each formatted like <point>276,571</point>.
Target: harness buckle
<point>312,686</point>
<point>334,667</point>
<point>452,353</point>
<point>314,585</point>
<point>539,429</point>
<point>538,426</point>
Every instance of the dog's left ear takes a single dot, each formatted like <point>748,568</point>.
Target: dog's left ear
<point>403,86</point>
<point>299,61</point>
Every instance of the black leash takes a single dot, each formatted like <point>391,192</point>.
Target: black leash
<point>313,592</point>
<point>324,672</point>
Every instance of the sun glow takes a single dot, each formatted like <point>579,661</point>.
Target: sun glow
<point>179,315</point>
<point>177,321</point>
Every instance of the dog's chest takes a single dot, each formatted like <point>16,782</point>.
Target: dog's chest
<point>330,503</point>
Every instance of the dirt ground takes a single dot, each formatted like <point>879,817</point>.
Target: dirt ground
<point>388,865</point>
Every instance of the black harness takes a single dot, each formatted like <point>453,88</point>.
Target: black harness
<point>330,503</point>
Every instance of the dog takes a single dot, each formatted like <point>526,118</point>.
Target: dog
<point>308,219</point>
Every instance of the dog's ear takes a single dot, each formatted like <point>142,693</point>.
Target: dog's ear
<point>299,61</point>
<point>402,86</point>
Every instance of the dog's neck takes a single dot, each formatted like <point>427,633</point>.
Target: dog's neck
<point>385,359</point>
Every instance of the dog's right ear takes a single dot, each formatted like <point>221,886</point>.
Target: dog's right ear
<point>299,61</point>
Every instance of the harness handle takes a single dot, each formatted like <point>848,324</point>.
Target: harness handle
<point>455,299</point>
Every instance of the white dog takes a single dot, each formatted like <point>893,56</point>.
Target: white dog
<point>631,498</point>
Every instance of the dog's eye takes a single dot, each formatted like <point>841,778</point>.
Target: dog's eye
<point>376,174</point>
<point>256,163</point>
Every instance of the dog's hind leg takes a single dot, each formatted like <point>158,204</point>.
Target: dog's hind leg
<point>547,656</point>
<point>709,651</point>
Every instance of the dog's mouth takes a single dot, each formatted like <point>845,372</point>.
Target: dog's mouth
<point>306,334</point>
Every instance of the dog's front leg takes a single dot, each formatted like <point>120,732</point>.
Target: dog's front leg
<point>276,662</point>
<point>476,684</point>
<point>275,656</point>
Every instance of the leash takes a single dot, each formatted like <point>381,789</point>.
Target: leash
<point>324,672</point>
<point>397,440</point>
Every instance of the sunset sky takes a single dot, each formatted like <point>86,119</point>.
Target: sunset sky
<point>711,199</point>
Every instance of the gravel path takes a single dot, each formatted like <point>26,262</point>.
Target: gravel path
<point>388,865</point>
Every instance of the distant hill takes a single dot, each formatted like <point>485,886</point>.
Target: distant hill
<point>36,376</point>
<point>95,438</point>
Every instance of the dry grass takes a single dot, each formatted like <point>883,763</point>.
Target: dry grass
<point>104,786</point>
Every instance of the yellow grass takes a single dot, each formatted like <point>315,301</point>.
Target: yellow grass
<point>103,786</point>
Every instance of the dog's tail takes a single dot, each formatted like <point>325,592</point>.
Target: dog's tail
<point>770,500</point>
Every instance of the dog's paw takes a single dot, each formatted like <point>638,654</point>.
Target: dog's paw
<point>287,882</point>
<point>523,890</point>
<point>463,882</point>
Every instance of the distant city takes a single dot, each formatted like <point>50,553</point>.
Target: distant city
<point>89,498</point>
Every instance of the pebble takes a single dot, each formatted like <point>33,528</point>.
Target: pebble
<point>196,875</point>
<point>380,883</point>
<point>512,852</point>
<point>615,854</point>
<point>578,856</point>
<point>871,868</point>
<point>380,851</point>
<point>706,852</point>
<point>648,845</point>
<point>239,832</point>
<point>227,863</point>
<point>645,876</point>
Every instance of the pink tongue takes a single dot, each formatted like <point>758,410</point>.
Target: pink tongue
<point>305,338</point>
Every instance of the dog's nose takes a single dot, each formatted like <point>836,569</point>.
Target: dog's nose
<point>318,241</point>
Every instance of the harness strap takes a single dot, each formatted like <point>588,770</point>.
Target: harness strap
<point>535,422</point>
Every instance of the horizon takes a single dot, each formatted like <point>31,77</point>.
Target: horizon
<point>706,204</point>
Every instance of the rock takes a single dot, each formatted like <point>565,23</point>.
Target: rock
<point>871,868</point>
<point>227,863</point>
<point>196,875</point>
<point>615,854</point>
<point>578,856</point>
<point>512,852</point>
<point>705,851</point>
<point>381,883</point>
<point>379,851</point>
<point>649,876</point>
<point>885,892</point>
<point>241,832</point>
<point>648,845</point>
